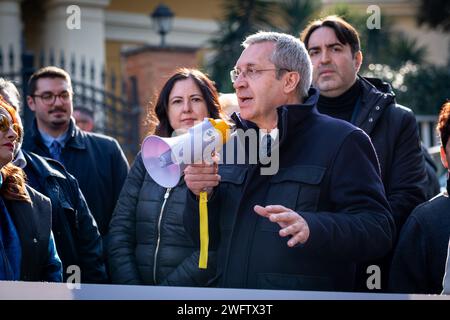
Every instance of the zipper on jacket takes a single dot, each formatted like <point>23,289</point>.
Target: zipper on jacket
<point>166,196</point>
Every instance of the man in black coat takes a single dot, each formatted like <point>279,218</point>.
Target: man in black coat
<point>419,261</point>
<point>334,48</point>
<point>77,239</point>
<point>95,160</point>
<point>322,191</point>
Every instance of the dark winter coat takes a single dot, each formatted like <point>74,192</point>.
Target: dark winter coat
<point>418,265</point>
<point>395,136</point>
<point>33,224</point>
<point>77,238</point>
<point>147,241</point>
<point>96,161</point>
<point>329,174</point>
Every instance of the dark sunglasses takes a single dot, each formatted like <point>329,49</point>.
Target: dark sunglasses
<point>5,124</point>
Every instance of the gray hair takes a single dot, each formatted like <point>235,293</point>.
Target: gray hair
<point>9,91</point>
<point>290,53</point>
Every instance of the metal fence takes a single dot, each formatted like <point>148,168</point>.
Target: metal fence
<point>427,130</point>
<point>113,100</point>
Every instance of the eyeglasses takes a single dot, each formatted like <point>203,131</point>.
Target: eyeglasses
<point>251,73</point>
<point>5,124</point>
<point>50,98</point>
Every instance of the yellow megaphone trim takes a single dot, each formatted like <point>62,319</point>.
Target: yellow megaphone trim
<point>204,234</point>
<point>224,129</point>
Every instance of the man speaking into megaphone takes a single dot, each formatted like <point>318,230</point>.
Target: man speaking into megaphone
<point>326,198</point>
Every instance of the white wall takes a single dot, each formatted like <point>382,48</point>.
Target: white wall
<point>88,41</point>
<point>10,31</point>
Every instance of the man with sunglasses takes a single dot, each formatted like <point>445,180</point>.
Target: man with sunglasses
<point>306,226</point>
<point>97,161</point>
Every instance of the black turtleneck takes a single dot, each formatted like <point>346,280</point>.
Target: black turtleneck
<point>341,107</point>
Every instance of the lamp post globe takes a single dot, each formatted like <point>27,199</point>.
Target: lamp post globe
<point>162,18</point>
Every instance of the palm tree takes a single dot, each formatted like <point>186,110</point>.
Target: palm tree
<point>296,14</point>
<point>405,49</point>
<point>242,17</point>
<point>435,13</point>
<point>382,46</point>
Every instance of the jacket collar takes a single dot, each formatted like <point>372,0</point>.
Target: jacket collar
<point>289,116</point>
<point>74,139</point>
<point>41,166</point>
<point>376,97</point>
<point>76,136</point>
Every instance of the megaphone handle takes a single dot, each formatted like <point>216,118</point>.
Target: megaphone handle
<point>204,234</point>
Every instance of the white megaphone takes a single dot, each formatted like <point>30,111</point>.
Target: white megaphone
<point>165,158</point>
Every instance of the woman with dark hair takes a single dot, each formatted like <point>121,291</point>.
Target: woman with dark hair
<point>27,248</point>
<point>147,240</point>
<point>206,91</point>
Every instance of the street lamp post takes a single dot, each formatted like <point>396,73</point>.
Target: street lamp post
<point>162,18</point>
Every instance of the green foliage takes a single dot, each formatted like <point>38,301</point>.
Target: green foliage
<point>427,89</point>
<point>384,45</point>
<point>296,14</point>
<point>405,49</point>
<point>435,13</point>
<point>422,88</point>
<point>399,60</point>
<point>242,18</point>
<point>388,54</point>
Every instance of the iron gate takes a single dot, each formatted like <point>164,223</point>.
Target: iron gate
<point>113,101</point>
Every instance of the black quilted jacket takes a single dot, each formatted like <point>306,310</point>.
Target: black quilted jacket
<point>148,245</point>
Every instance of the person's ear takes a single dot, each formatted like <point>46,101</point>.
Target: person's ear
<point>30,102</point>
<point>444,158</point>
<point>291,81</point>
<point>358,60</point>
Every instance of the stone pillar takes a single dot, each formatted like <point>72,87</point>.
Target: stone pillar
<point>86,42</point>
<point>10,33</point>
<point>152,66</point>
